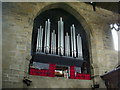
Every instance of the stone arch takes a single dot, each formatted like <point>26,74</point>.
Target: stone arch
<point>72,11</point>
<point>80,18</point>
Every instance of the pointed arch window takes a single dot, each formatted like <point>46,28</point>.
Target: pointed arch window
<point>115,29</point>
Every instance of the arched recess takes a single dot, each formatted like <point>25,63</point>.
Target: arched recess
<point>80,20</point>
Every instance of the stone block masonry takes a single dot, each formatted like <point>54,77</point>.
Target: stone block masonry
<point>17,26</point>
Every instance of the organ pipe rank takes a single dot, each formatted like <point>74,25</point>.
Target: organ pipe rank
<point>53,45</point>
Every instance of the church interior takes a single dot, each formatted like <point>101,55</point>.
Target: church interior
<point>60,45</point>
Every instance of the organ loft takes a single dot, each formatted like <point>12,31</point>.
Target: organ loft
<point>60,45</point>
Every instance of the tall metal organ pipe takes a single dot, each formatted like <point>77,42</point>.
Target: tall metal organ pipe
<point>39,40</point>
<point>70,40</point>
<point>67,45</point>
<point>73,41</point>
<point>53,43</point>
<point>79,46</point>
<point>52,40</point>
<point>47,37</point>
<point>60,37</point>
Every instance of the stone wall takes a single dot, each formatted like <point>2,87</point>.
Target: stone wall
<point>17,28</point>
<point>0,45</point>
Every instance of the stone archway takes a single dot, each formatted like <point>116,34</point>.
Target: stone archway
<point>80,18</point>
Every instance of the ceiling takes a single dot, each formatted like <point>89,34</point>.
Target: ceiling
<point>112,6</point>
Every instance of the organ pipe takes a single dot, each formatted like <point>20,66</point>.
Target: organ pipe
<point>73,43</point>
<point>53,43</point>
<point>60,37</point>
<point>74,40</point>
<point>39,40</point>
<point>47,37</point>
<point>67,45</point>
<point>79,46</point>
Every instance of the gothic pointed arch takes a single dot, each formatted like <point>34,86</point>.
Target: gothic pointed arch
<point>70,16</point>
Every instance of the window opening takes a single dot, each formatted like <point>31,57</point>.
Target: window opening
<point>115,30</point>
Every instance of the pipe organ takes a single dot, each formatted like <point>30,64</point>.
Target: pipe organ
<point>59,44</point>
<point>59,50</point>
<point>64,45</point>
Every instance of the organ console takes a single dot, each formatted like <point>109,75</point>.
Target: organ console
<point>72,47</point>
